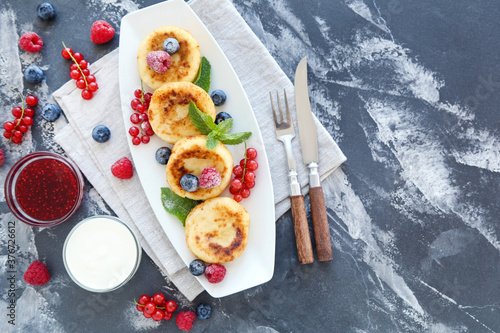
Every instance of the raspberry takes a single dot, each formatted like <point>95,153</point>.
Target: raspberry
<point>159,61</point>
<point>209,178</point>
<point>101,32</point>
<point>30,42</point>
<point>215,273</point>
<point>122,169</point>
<point>2,157</point>
<point>37,274</point>
<point>185,319</point>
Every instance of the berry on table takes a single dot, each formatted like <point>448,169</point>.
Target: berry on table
<point>101,133</point>
<point>197,267</point>
<point>122,168</point>
<point>23,120</point>
<point>31,100</point>
<point>30,42</point>
<point>215,273</point>
<point>203,311</point>
<point>209,178</point>
<point>163,154</point>
<point>51,112</point>
<point>46,11</point>
<point>101,32</point>
<point>34,74</point>
<point>158,298</point>
<point>149,308</point>
<point>220,117</point>
<point>144,299</point>
<point>2,157</point>
<point>80,73</point>
<point>158,315</point>
<point>171,46</point>
<point>158,61</point>
<point>218,97</point>
<point>171,306</point>
<point>189,182</point>
<point>184,320</point>
<point>168,316</point>
<point>37,274</point>
<point>66,53</point>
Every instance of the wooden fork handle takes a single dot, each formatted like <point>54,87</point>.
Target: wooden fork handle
<point>320,224</point>
<point>302,236</point>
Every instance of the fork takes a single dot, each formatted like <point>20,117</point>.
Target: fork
<point>285,133</point>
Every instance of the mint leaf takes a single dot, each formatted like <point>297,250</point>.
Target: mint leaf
<point>225,126</point>
<point>202,121</point>
<point>176,205</point>
<point>234,139</point>
<point>212,140</point>
<point>203,77</point>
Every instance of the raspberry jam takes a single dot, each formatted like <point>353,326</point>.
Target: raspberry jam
<point>44,189</point>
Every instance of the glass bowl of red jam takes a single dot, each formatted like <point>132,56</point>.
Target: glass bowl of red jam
<point>44,189</point>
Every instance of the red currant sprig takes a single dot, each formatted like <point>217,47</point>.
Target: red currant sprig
<point>156,307</point>
<point>244,175</point>
<point>23,119</point>
<point>80,73</point>
<point>143,131</point>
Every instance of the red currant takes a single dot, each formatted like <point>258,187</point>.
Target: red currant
<point>83,64</point>
<point>29,112</point>
<point>8,126</point>
<point>147,97</point>
<point>233,191</point>
<point>143,117</point>
<point>81,84</point>
<point>134,118</point>
<point>93,86</point>
<point>252,165</point>
<point>139,307</point>
<point>7,134</point>
<point>86,72</point>
<point>236,183</point>
<point>245,193</point>
<point>140,108</point>
<point>31,100</point>
<point>237,197</point>
<point>242,162</point>
<point>171,306</point>
<point>238,171</point>
<point>75,74</point>
<point>150,132</point>
<point>138,93</point>
<point>28,121</point>
<point>145,139</point>
<point>134,131</point>
<point>17,111</point>
<point>90,78</point>
<point>17,121</point>
<point>249,176</point>
<point>17,139</point>
<point>23,128</point>
<point>73,67</point>
<point>158,298</point>
<point>134,103</point>
<point>168,316</point>
<point>136,141</point>
<point>143,299</point>
<point>158,315</point>
<point>66,53</point>
<point>147,315</point>
<point>249,185</point>
<point>87,94</point>
<point>18,134</point>
<point>251,153</point>
<point>149,308</point>
<point>78,56</point>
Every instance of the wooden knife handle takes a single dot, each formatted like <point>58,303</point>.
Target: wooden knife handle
<point>302,236</point>
<point>320,224</point>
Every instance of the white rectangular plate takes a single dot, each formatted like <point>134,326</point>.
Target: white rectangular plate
<point>256,265</point>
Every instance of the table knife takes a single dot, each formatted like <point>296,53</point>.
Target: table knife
<point>309,144</point>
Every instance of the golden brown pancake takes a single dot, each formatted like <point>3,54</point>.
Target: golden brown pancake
<point>185,62</point>
<point>169,110</point>
<point>190,156</point>
<point>217,230</point>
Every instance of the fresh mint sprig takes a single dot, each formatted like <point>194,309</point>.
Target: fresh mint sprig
<point>215,133</point>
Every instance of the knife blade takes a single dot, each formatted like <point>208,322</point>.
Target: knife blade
<point>309,143</point>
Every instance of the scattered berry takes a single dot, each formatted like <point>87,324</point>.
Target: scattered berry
<point>158,61</point>
<point>2,157</point>
<point>37,274</point>
<point>31,100</point>
<point>171,306</point>
<point>184,320</point>
<point>171,46</point>
<point>203,311</point>
<point>215,273</point>
<point>122,168</point>
<point>218,97</point>
<point>101,32</point>
<point>23,120</point>
<point>101,133</point>
<point>30,42</point>
<point>221,117</point>
<point>46,11</point>
<point>209,178</point>
<point>189,182</point>
<point>51,112</point>
<point>197,267</point>
<point>34,74</point>
<point>163,154</point>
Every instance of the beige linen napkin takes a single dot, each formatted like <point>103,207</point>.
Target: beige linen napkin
<point>126,197</point>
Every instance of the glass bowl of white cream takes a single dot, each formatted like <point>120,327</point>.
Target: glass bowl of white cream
<point>101,253</point>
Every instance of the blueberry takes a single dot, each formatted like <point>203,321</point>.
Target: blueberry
<point>197,267</point>
<point>218,97</point>
<point>101,133</point>
<point>46,11</point>
<point>34,74</point>
<point>203,311</point>
<point>189,182</point>
<point>51,112</point>
<point>163,154</point>
<point>221,117</point>
<point>171,46</point>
